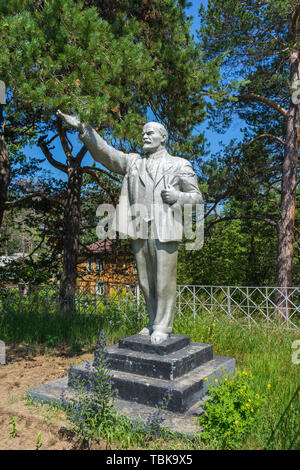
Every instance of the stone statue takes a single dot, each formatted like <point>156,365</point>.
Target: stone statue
<point>155,180</point>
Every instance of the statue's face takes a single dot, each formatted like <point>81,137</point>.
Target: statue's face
<point>153,140</point>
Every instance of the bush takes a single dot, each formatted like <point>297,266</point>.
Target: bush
<point>230,411</point>
<point>92,406</point>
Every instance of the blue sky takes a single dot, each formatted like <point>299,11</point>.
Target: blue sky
<point>212,137</point>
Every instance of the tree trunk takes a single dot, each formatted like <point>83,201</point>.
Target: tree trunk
<point>284,268</point>
<point>71,238</point>
<point>4,176</point>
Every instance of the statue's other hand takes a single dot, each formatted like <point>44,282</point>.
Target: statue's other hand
<point>72,121</point>
<point>169,195</point>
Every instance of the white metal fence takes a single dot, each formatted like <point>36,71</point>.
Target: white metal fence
<point>249,305</point>
<point>253,305</point>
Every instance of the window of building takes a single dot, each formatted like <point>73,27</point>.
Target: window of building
<point>100,265</point>
<point>99,287</point>
<point>89,265</point>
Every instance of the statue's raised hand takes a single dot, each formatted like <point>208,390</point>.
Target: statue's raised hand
<point>72,121</point>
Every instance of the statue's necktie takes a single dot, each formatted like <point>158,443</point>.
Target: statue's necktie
<point>150,167</point>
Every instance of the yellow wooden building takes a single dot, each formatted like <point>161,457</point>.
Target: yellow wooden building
<point>104,265</point>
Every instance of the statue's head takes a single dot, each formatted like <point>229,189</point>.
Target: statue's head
<point>155,137</point>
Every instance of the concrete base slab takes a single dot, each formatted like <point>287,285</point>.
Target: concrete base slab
<point>182,424</point>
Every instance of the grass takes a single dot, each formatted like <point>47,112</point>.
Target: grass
<point>267,353</point>
<point>37,325</point>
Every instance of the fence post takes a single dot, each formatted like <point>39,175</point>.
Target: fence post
<point>194,300</point>
<point>267,305</point>
<point>228,304</point>
<point>286,306</point>
<point>137,294</point>
<point>248,306</point>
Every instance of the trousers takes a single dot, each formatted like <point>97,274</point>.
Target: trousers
<point>157,269</point>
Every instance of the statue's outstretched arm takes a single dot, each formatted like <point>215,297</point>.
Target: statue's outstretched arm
<point>103,153</point>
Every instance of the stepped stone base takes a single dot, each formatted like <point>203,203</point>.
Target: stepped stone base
<point>142,372</point>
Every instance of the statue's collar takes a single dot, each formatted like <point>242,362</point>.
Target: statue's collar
<point>155,155</point>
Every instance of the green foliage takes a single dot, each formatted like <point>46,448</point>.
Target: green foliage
<point>51,341</point>
<point>267,354</point>
<point>231,410</point>
<point>128,433</point>
<point>38,443</point>
<point>35,318</point>
<point>107,65</point>
<point>236,251</point>
<point>32,228</point>
<point>92,406</point>
<point>286,433</point>
<point>14,431</point>
<point>68,63</point>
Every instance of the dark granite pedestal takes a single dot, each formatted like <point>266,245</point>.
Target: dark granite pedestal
<point>142,372</point>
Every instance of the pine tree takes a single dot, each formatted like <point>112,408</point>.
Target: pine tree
<point>257,42</point>
<point>110,63</point>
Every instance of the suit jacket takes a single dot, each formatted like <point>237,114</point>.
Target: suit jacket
<point>171,171</point>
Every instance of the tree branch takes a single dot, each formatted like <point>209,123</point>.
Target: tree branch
<point>44,147</point>
<point>263,99</point>
<point>294,24</point>
<point>88,169</point>
<point>37,247</point>
<point>30,196</point>
<point>216,202</point>
<point>81,154</point>
<point>249,217</point>
<point>98,180</point>
<point>64,140</point>
<point>271,136</point>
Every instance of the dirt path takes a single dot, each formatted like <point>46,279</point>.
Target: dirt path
<point>24,370</point>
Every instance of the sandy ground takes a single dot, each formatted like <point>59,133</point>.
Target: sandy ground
<point>24,370</point>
